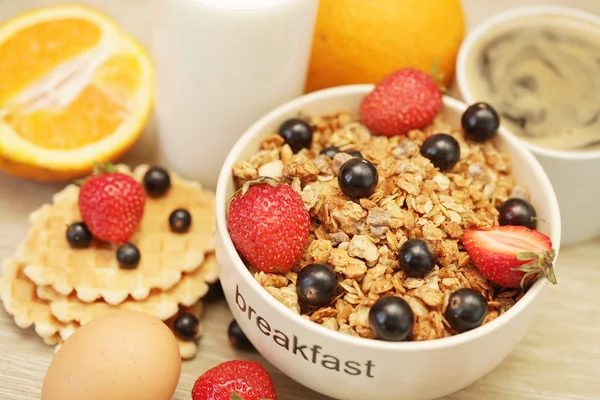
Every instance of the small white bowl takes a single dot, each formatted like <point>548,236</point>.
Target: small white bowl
<point>372,369</point>
<point>573,174</point>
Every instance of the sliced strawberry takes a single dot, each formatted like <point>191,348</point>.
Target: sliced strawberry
<point>510,255</point>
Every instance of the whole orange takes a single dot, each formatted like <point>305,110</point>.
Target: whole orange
<point>363,41</point>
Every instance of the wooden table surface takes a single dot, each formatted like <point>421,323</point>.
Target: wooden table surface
<point>558,359</point>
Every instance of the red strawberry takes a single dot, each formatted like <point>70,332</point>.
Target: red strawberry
<point>235,380</point>
<point>406,99</point>
<point>268,225</point>
<point>112,205</point>
<point>510,255</point>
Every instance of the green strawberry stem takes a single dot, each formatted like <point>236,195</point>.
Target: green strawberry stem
<point>437,77</point>
<point>541,264</point>
<point>98,169</point>
<point>258,181</point>
<point>103,168</point>
<point>235,396</point>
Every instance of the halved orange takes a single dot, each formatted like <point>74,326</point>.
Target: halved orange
<point>74,89</point>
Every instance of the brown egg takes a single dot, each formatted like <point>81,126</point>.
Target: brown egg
<point>123,355</point>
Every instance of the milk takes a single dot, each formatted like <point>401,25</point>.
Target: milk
<point>221,65</point>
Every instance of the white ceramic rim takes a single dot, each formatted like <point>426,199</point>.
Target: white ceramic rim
<point>480,31</point>
<point>430,345</point>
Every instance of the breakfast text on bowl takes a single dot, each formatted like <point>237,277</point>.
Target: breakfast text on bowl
<point>312,353</point>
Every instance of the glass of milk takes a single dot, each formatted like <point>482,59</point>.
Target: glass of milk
<point>221,65</point>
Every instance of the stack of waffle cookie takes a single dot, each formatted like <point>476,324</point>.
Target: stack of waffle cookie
<point>55,288</point>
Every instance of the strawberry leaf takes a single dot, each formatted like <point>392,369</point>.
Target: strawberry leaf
<point>98,169</point>
<point>551,276</point>
<point>540,266</point>
<point>437,76</point>
<point>524,256</point>
<point>109,167</point>
<point>79,182</point>
<point>434,68</point>
<point>103,168</point>
<point>258,181</point>
<point>235,396</point>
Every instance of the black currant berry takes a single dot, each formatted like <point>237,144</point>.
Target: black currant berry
<point>186,326</point>
<point>355,153</point>
<point>297,133</point>
<point>391,319</point>
<point>358,178</point>
<point>128,256</point>
<point>480,122</point>
<point>180,220</point>
<point>415,258</point>
<point>237,337</point>
<point>466,309</point>
<point>316,285</point>
<point>156,181</point>
<point>442,150</point>
<point>517,211</point>
<point>78,235</point>
<point>330,151</point>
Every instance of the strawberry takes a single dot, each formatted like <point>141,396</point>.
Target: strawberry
<point>406,99</point>
<point>112,205</point>
<point>510,256</point>
<point>235,380</point>
<point>268,225</point>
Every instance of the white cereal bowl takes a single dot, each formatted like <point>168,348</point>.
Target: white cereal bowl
<point>571,173</point>
<point>351,368</point>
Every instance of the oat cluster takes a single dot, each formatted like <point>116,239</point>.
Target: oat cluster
<point>360,239</point>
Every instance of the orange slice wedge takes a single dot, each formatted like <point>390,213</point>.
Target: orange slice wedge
<point>74,89</point>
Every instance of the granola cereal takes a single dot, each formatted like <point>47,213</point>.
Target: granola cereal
<point>360,239</point>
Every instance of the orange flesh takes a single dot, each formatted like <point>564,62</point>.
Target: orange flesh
<point>97,111</point>
<point>36,50</point>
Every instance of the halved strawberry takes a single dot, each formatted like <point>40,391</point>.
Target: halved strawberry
<point>510,255</point>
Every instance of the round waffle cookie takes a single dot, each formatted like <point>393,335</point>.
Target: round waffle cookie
<point>163,305</point>
<point>94,273</point>
<point>20,298</point>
